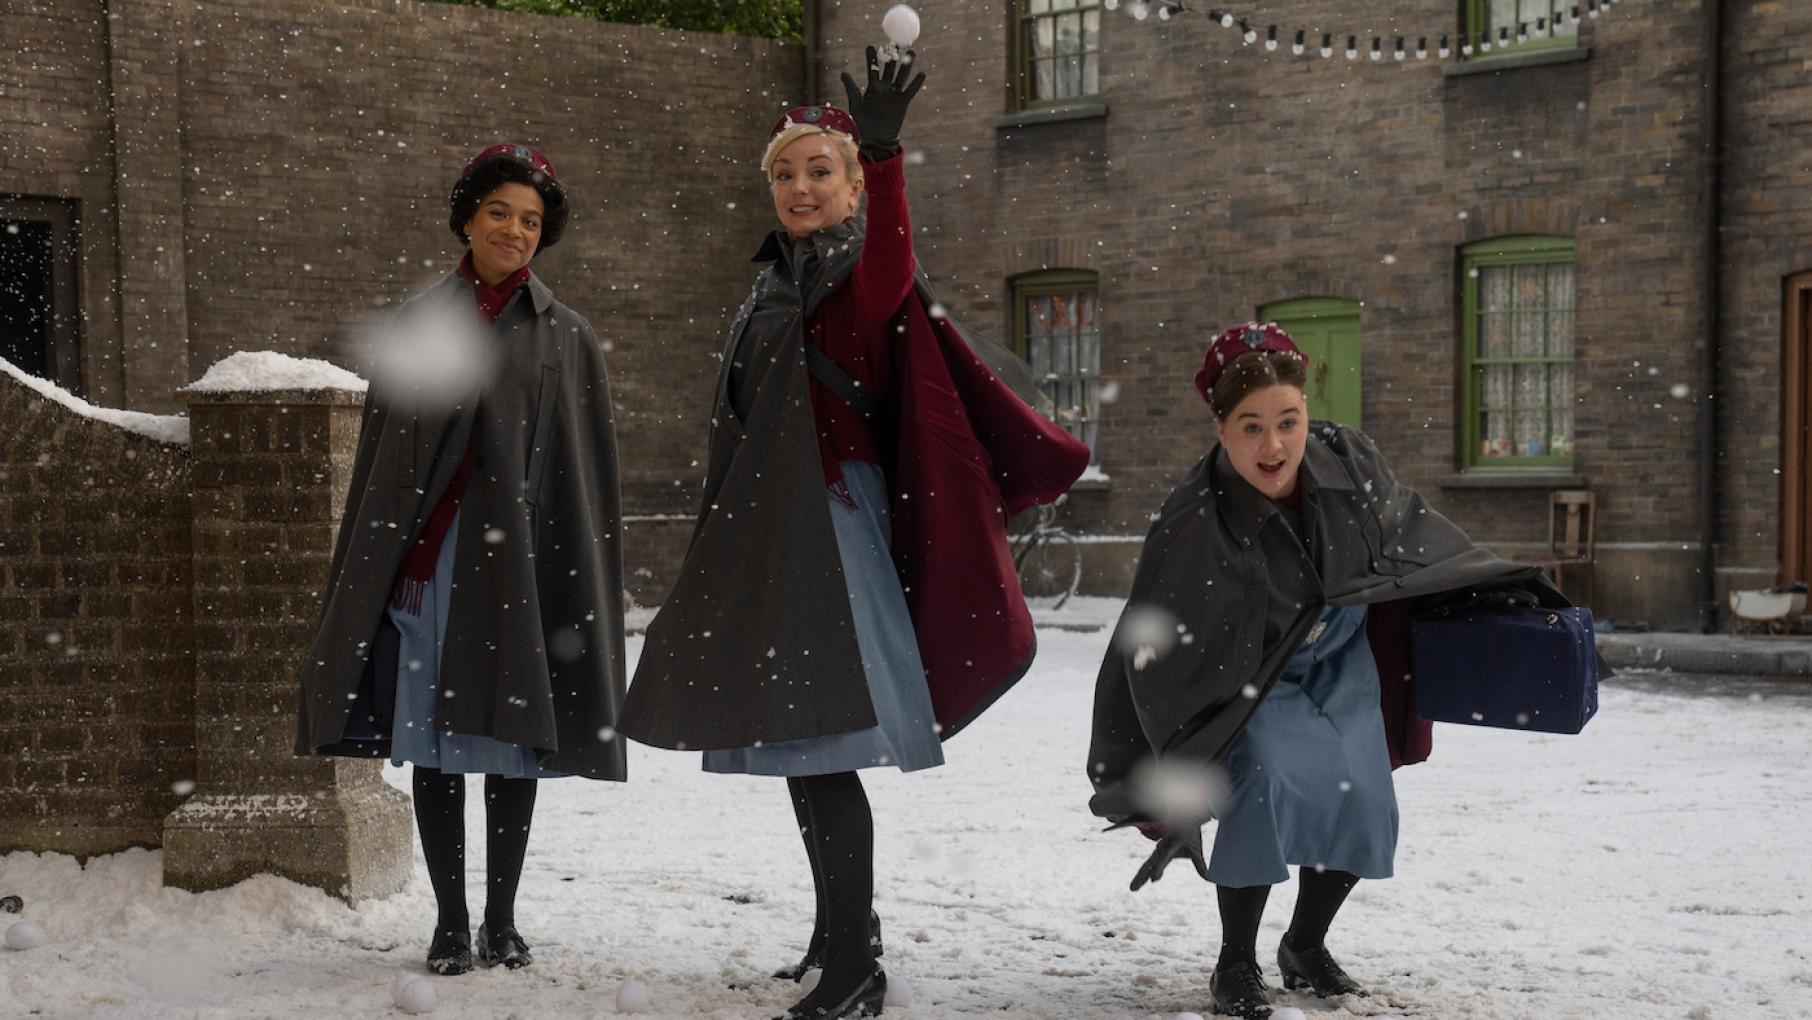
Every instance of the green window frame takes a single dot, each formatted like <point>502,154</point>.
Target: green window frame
<point>1485,19</point>
<point>1057,330</point>
<point>1517,353</point>
<point>1056,52</point>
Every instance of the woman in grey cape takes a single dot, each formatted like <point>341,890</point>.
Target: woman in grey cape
<point>863,462</point>
<point>473,620</point>
<point>1245,679</point>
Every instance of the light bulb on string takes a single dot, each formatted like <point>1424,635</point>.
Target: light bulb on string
<point>1422,48</point>
<point>1466,46</point>
<point>1352,47</point>
<point>1573,16</point>
<point>1300,44</point>
<point>1139,9</point>
<point>1446,50</point>
<point>1485,42</point>
<point>1164,12</point>
<point>1397,54</point>
<point>1248,33</point>
<point>1503,37</point>
<point>1327,44</point>
<point>1592,9</point>
<point>1522,32</point>
<point>1271,38</point>
<point>1541,28</point>
<point>1226,20</point>
<point>1112,5</point>
<point>1377,48</point>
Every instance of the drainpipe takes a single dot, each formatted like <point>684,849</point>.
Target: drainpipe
<point>812,45</point>
<point>1711,200</point>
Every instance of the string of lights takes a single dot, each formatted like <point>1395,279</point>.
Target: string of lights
<point>1562,18</point>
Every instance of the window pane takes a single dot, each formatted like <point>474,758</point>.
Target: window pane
<point>1044,79</point>
<point>1560,407</point>
<point>1531,398</point>
<point>1494,419</point>
<point>1063,5</point>
<point>1494,288</point>
<point>1528,326</point>
<point>1091,75</point>
<point>1500,12</point>
<point>1069,34</point>
<point>1039,6</point>
<point>1044,36</point>
<point>1091,31</point>
<point>1560,285</point>
<point>1494,336</point>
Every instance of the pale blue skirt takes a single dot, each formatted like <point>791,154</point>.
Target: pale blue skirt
<point>414,738</point>
<point>1310,774</point>
<point>906,734</point>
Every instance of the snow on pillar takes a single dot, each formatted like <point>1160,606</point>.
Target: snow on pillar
<point>271,468</point>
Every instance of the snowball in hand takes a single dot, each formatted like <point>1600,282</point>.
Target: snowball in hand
<point>901,23</point>
<point>413,994</point>
<point>899,993</point>
<point>632,997</point>
<point>24,935</point>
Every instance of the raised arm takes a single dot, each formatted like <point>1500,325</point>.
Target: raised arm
<point>883,276</point>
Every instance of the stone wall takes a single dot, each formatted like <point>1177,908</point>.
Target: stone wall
<point>97,672</point>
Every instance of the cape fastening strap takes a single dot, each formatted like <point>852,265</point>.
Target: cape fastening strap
<point>838,382</point>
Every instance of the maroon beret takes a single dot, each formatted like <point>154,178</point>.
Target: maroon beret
<point>1234,341</point>
<point>532,157</point>
<point>804,119</point>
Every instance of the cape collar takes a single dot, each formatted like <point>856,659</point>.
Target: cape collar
<point>539,294</point>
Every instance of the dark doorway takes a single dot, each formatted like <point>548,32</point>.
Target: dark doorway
<point>39,321</point>
<point>1796,441</point>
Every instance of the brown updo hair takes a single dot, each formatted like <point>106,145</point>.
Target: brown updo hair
<point>1253,371</point>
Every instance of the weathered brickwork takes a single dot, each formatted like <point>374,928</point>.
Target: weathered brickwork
<point>1222,177</point>
<point>97,691</point>
<point>277,171</point>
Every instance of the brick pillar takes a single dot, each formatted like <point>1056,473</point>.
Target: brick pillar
<point>270,471</point>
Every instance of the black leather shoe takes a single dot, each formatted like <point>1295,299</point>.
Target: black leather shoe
<point>796,972</point>
<point>450,953</point>
<point>1239,990</point>
<point>865,1000</point>
<point>503,946</point>
<point>1314,968</point>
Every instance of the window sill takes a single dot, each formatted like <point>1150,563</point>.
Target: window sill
<point>1513,479</point>
<point>1085,110</point>
<point>1093,481</point>
<point>1517,61</point>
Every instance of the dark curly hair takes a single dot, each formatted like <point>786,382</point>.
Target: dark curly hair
<point>490,174</point>
<point>1251,371</point>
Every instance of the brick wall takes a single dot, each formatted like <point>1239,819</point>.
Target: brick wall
<point>1767,235</point>
<point>285,168</point>
<point>1223,177</point>
<point>97,694</point>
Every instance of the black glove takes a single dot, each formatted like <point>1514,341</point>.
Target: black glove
<point>881,109</point>
<point>1174,842</point>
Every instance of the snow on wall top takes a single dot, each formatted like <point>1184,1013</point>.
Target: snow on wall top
<point>264,371</point>
<point>164,428</point>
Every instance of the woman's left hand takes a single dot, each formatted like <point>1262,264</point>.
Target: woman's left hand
<point>880,110</point>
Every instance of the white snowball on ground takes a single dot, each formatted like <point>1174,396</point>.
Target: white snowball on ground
<point>1187,1016</point>
<point>901,23</point>
<point>24,935</point>
<point>899,993</point>
<point>632,997</point>
<point>417,996</point>
<point>396,986</point>
<point>809,980</point>
<point>1288,1013</point>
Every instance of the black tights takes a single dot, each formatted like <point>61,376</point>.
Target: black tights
<point>839,833</point>
<point>440,816</point>
<point>1318,900</point>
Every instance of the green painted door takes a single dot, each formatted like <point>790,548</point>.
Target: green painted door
<point>1327,330</point>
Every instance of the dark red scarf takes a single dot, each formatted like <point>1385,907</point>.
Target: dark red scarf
<point>418,566</point>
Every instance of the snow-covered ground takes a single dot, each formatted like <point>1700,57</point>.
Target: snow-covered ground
<point>1655,866</point>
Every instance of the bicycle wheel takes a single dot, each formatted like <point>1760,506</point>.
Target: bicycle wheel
<point>1050,566</point>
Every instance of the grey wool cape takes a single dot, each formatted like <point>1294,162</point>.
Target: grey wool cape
<point>1376,541</point>
<point>534,646</point>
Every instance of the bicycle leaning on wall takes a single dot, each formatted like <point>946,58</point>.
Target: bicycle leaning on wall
<point>1047,558</point>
